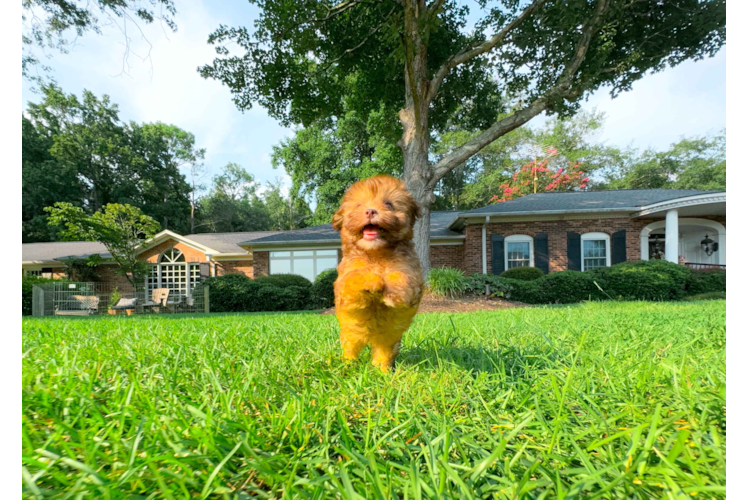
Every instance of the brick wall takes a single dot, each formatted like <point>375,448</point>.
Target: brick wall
<point>107,274</point>
<point>190,254</point>
<point>447,256</point>
<point>557,229</point>
<point>244,267</point>
<point>260,264</point>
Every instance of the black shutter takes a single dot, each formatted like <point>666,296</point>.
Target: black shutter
<point>574,251</point>
<point>618,247</point>
<point>541,252</point>
<point>497,254</point>
<point>204,270</point>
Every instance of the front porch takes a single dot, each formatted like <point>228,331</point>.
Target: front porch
<point>692,233</point>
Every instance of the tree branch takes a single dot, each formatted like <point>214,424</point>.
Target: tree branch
<point>519,118</point>
<point>467,54</point>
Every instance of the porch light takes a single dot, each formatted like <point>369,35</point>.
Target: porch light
<point>708,245</point>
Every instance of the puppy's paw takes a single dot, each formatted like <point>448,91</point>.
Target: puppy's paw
<point>372,283</point>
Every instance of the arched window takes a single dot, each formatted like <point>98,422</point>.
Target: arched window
<point>518,251</point>
<point>595,250</point>
<point>170,256</point>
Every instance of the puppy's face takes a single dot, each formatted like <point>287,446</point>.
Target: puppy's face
<point>376,213</point>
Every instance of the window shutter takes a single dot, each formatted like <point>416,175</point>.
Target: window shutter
<point>497,254</point>
<point>618,247</point>
<point>204,270</point>
<point>574,251</point>
<point>541,251</point>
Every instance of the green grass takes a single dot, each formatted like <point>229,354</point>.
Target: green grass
<point>604,400</point>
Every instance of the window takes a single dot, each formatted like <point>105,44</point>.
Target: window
<point>595,250</point>
<point>34,273</point>
<point>174,273</point>
<point>518,251</point>
<point>307,263</point>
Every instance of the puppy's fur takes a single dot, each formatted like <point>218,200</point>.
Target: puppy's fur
<point>379,283</point>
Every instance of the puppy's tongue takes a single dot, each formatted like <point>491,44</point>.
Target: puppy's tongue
<point>371,232</point>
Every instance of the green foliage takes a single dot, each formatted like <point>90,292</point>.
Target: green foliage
<point>121,228</point>
<point>114,297</point>
<point>643,280</point>
<point>692,163</point>
<point>523,273</point>
<point>82,269</point>
<point>580,388</point>
<point>237,293</point>
<point>78,151</point>
<point>447,282</point>
<point>27,297</point>
<point>284,280</point>
<point>706,281</point>
<point>286,212</point>
<point>476,284</point>
<point>707,296</point>
<point>323,289</point>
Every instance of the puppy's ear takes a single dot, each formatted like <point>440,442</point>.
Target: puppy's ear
<point>337,219</point>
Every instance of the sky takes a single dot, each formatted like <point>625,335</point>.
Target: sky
<point>660,109</point>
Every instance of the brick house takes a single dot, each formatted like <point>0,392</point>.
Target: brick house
<point>551,231</point>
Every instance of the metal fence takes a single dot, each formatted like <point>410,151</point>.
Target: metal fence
<point>66,298</point>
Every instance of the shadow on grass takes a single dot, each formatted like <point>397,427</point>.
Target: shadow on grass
<point>509,361</point>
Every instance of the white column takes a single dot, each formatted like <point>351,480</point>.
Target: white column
<point>722,250</point>
<point>483,247</point>
<point>671,236</point>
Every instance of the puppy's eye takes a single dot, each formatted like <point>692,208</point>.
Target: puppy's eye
<point>388,205</point>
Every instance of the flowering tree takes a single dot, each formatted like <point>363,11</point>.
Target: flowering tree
<point>538,176</point>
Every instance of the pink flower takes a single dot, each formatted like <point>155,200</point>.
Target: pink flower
<point>552,151</point>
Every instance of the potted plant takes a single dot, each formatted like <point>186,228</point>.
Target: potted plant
<point>113,299</point>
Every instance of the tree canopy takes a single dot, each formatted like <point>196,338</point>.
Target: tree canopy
<point>310,61</point>
<point>78,151</point>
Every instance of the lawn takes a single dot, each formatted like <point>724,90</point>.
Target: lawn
<point>604,400</point>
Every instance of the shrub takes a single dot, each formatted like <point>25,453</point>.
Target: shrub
<point>284,280</point>
<point>323,292</point>
<point>476,284</point>
<point>706,281</point>
<point>237,293</point>
<point>642,280</point>
<point>27,294</point>
<point>708,296</point>
<point>529,292</point>
<point>568,287</point>
<point>523,273</point>
<point>447,281</point>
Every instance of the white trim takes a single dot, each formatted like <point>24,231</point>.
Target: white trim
<point>291,248</point>
<point>687,221</point>
<point>519,238</point>
<point>484,258</point>
<point>166,235</point>
<point>596,237</point>
<point>699,199</point>
<point>221,258</point>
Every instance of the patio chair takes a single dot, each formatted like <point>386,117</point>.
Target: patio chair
<point>159,296</point>
<point>125,304</point>
<point>79,305</point>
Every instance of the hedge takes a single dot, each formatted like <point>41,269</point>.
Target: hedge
<point>237,293</point>
<point>323,292</point>
<point>706,281</point>
<point>523,273</point>
<point>642,280</point>
<point>27,284</point>
<point>284,280</point>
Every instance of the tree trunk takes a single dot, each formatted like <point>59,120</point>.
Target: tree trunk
<point>415,141</point>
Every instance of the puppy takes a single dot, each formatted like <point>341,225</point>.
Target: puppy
<point>379,283</point>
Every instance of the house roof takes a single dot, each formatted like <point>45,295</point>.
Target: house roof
<point>585,201</point>
<point>228,242</point>
<point>324,233</point>
<point>50,251</point>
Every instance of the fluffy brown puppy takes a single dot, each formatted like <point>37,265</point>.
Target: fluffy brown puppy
<point>379,283</point>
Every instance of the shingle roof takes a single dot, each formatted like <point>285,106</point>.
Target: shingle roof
<point>440,222</point>
<point>46,252</point>
<point>228,242</point>
<point>586,201</point>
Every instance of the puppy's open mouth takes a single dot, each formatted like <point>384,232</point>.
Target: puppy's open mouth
<point>371,232</point>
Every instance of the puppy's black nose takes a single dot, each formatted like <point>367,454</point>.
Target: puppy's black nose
<point>371,212</point>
